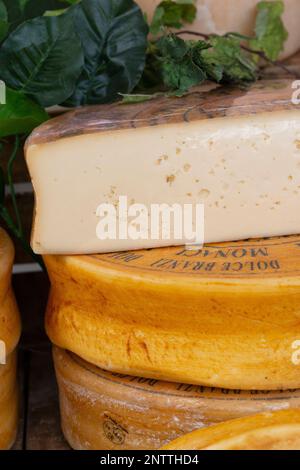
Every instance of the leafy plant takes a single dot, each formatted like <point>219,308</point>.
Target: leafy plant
<point>23,10</point>
<point>270,31</point>
<point>3,21</point>
<point>43,59</point>
<point>20,114</point>
<point>113,35</point>
<point>174,65</point>
<point>173,14</point>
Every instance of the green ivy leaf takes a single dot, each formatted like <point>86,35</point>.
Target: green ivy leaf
<point>270,31</point>
<point>173,14</point>
<point>19,115</point>
<point>43,58</point>
<point>179,62</point>
<point>226,61</point>
<point>114,39</point>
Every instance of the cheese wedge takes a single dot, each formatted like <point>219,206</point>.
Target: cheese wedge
<point>267,431</point>
<point>223,16</point>
<point>9,404</point>
<point>226,316</point>
<point>235,151</point>
<point>109,411</point>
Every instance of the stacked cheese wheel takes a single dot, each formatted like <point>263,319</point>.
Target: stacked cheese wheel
<point>9,337</point>
<point>225,317</point>
<point>267,431</point>
<point>106,410</point>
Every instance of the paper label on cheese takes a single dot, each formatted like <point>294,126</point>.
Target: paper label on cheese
<point>273,257</point>
<point>182,390</point>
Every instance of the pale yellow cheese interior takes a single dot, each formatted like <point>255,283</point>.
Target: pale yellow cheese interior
<point>245,170</point>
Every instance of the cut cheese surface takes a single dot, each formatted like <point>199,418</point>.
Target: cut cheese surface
<point>10,325</point>
<point>9,406</point>
<point>267,431</point>
<point>110,411</point>
<point>226,316</point>
<point>223,16</point>
<point>237,152</point>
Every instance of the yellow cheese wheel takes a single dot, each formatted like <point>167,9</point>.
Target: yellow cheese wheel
<point>103,410</point>
<point>10,325</point>
<point>9,405</point>
<point>225,316</point>
<point>223,16</point>
<point>267,431</point>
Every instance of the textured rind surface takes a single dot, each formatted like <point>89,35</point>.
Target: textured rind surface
<point>267,431</point>
<point>201,103</point>
<point>222,16</point>
<point>9,402</point>
<point>199,328</point>
<point>10,325</point>
<point>110,411</point>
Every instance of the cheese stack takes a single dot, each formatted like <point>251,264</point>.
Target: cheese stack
<point>9,337</point>
<point>225,316</point>
<point>103,410</point>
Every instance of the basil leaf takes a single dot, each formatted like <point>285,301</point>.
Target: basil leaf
<point>19,115</point>
<point>114,39</point>
<point>4,25</point>
<point>43,58</point>
<point>270,31</point>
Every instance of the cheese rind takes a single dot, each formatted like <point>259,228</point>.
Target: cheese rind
<point>267,431</point>
<point>223,16</point>
<point>10,324</point>
<point>227,316</point>
<point>9,404</point>
<point>103,410</point>
<point>226,151</point>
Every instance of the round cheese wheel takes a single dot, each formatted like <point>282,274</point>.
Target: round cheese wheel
<point>267,431</point>
<point>223,16</point>
<point>9,404</point>
<point>103,410</point>
<point>225,316</point>
<point>10,325</point>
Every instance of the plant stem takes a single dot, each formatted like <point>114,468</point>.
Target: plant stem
<point>4,214</point>
<point>15,229</point>
<point>10,166</point>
